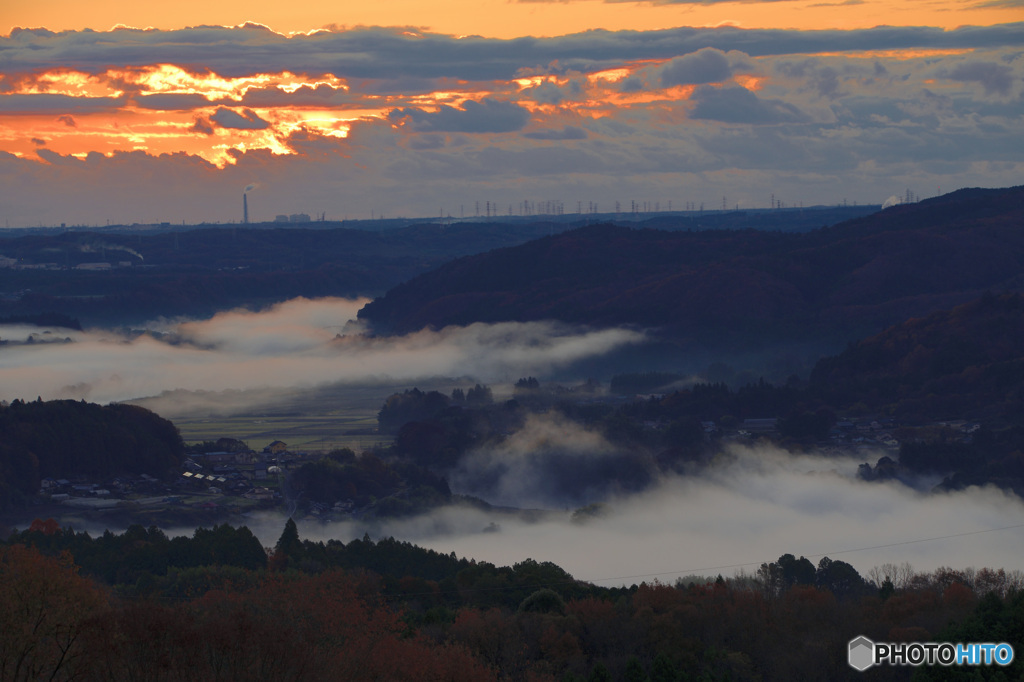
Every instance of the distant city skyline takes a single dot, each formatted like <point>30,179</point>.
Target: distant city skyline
<point>412,109</point>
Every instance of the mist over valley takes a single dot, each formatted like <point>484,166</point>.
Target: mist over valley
<point>674,472</point>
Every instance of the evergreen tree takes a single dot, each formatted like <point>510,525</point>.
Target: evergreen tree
<point>664,670</point>
<point>599,673</point>
<point>289,545</point>
<point>635,671</point>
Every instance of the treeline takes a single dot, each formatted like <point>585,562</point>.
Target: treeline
<point>378,487</point>
<point>390,610</point>
<point>141,561</point>
<point>67,438</point>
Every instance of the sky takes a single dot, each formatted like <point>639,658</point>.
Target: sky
<point>121,113</point>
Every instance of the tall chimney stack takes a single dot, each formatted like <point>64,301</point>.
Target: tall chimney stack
<point>245,208</point>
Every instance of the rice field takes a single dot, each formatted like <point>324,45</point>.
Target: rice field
<point>319,419</point>
<point>314,432</point>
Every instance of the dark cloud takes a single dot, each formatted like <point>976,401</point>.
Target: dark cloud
<point>777,150</point>
<point>739,105</point>
<point>826,81</point>
<point>408,85</point>
<point>825,77</point>
<point>551,93</point>
<point>379,53</point>
<point>486,116</point>
<point>537,161</point>
<point>323,95</point>
<point>202,125</point>
<point>853,123</point>
<point>68,120</point>
<point>247,120</point>
<point>428,141</point>
<point>704,66</point>
<point>49,104</point>
<point>566,133</point>
<point>631,84</point>
<point>39,142</point>
<point>39,32</point>
<point>56,159</point>
<point>995,78</point>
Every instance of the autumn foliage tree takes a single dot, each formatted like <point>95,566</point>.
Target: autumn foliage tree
<point>45,606</point>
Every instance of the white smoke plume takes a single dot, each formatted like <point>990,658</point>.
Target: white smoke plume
<point>99,247</point>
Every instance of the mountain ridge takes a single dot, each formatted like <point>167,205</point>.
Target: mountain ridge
<point>848,280</point>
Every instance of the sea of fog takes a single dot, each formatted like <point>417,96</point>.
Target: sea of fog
<point>299,343</point>
<point>750,505</point>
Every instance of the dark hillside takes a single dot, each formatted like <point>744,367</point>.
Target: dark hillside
<point>126,275</point>
<point>197,272</point>
<point>739,287</point>
<point>967,362</point>
<point>66,438</point>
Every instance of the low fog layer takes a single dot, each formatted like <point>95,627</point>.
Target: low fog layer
<point>551,462</point>
<point>749,506</point>
<point>293,344</point>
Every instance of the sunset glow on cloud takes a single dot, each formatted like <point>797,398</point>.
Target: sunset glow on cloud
<point>597,102</point>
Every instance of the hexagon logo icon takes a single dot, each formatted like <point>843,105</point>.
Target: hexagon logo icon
<point>861,653</point>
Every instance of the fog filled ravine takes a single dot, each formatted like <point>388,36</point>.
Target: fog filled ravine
<point>613,487</point>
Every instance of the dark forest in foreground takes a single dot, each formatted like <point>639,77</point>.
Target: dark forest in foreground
<point>219,606</point>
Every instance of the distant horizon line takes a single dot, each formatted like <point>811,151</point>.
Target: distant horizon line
<point>319,218</point>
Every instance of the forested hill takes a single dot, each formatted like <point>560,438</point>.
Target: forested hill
<point>967,362</point>
<point>201,271</point>
<point>132,275</point>
<point>850,280</point>
<point>66,438</point>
